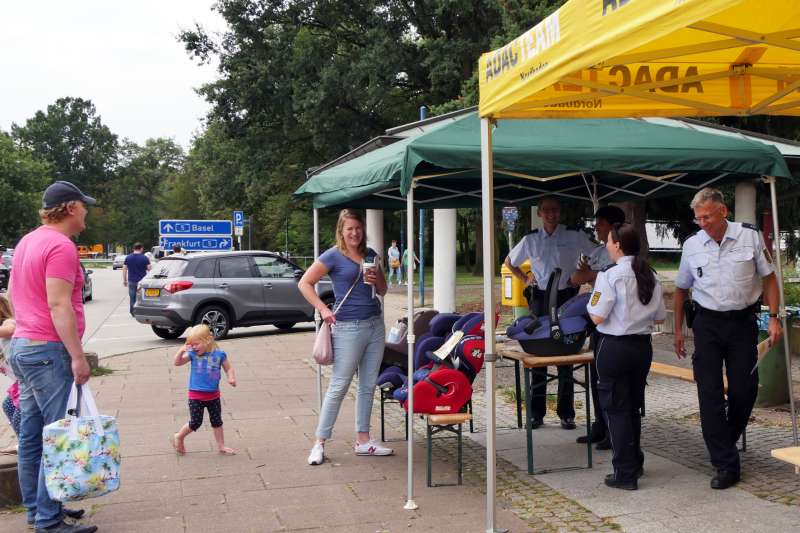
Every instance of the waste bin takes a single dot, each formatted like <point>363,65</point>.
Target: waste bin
<point>512,289</point>
<point>773,388</point>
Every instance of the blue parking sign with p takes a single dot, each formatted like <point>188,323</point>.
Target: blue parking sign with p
<point>238,219</point>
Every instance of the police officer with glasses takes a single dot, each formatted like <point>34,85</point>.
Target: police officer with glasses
<point>553,246</point>
<point>626,304</point>
<point>727,267</point>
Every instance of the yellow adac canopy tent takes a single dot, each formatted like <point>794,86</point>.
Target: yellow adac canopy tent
<point>623,58</point>
<point>635,58</point>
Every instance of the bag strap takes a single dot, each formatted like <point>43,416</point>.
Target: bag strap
<point>353,286</point>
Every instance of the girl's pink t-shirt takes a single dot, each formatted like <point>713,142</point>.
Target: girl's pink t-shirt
<point>41,254</point>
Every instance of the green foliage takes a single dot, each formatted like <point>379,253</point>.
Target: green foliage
<point>22,179</point>
<point>74,140</point>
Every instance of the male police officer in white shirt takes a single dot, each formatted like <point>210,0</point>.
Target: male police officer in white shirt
<point>726,265</point>
<point>555,246</point>
<point>604,219</point>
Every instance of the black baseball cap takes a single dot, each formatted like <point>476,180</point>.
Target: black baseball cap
<point>61,192</point>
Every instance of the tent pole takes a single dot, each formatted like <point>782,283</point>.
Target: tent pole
<point>487,208</point>
<point>316,313</point>
<point>410,503</point>
<point>782,309</point>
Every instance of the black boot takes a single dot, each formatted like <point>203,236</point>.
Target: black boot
<point>613,482</point>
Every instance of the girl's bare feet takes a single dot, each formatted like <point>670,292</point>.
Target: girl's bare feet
<point>177,443</point>
<point>227,451</point>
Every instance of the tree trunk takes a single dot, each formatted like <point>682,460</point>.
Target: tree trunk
<point>635,215</point>
<point>477,268</point>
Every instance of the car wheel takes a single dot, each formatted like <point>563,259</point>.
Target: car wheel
<point>168,333</point>
<point>285,325</point>
<point>217,320</point>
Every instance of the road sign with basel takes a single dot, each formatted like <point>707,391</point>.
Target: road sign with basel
<point>196,235</point>
<point>194,227</point>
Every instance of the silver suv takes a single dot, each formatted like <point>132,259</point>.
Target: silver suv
<point>224,290</point>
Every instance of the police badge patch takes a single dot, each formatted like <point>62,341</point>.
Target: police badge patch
<point>595,298</point>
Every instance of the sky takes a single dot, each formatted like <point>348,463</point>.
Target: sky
<point>120,54</point>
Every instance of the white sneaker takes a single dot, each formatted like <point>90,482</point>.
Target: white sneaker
<point>372,448</point>
<point>317,455</point>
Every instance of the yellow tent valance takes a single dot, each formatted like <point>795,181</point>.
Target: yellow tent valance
<point>623,58</point>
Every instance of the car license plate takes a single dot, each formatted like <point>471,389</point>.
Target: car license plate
<point>152,292</point>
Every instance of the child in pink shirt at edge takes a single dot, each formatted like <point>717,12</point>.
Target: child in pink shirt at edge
<point>207,359</point>
<point>11,402</point>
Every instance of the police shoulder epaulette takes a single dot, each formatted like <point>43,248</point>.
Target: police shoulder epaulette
<point>532,232</point>
<point>608,267</point>
<point>573,228</point>
<point>690,236</point>
<point>750,226</point>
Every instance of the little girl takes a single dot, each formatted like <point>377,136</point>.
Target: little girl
<point>11,402</point>
<point>206,359</point>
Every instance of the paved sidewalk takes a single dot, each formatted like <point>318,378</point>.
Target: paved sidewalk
<point>270,418</point>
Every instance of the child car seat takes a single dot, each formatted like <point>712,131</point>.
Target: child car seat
<point>562,332</point>
<point>443,383</point>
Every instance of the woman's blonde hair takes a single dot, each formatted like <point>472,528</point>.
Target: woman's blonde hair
<point>5,308</point>
<point>202,333</point>
<point>344,214</point>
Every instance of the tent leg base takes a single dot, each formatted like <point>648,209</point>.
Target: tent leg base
<point>497,530</point>
<point>411,505</point>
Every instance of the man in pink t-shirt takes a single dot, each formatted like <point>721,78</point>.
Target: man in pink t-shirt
<point>46,350</point>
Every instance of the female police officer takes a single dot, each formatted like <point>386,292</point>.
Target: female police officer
<point>626,303</point>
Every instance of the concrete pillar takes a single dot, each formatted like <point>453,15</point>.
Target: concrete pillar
<point>375,232</point>
<point>444,260</point>
<point>745,202</point>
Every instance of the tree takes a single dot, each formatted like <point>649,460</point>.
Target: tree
<point>22,181</point>
<point>74,140</point>
<point>135,199</point>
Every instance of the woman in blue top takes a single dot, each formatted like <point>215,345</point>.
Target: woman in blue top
<point>357,329</point>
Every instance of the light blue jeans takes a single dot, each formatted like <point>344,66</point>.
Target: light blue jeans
<point>44,370</point>
<point>357,345</point>
<point>397,273</point>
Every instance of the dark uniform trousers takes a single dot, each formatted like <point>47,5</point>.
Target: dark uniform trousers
<point>728,338</point>
<point>623,363</point>
<point>599,424</point>
<point>565,407</point>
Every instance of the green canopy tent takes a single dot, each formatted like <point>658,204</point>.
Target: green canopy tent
<point>611,160</point>
<point>596,160</point>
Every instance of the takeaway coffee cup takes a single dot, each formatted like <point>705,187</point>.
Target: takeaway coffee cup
<point>369,264</point>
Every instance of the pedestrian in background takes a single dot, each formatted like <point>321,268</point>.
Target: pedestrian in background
<point>726,266</point>
<point>46,290</point>
<point>554,246</point>
<point>404,265</point>
<point>134,270</point>
<point>604,219</point>
<point>626,304</point>
<point>395,270</point>
<point>357,329</point>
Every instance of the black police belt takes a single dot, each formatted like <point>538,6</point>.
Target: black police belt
<point>569,292</point>
<point>629,337</point>
<point>736,314</point>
